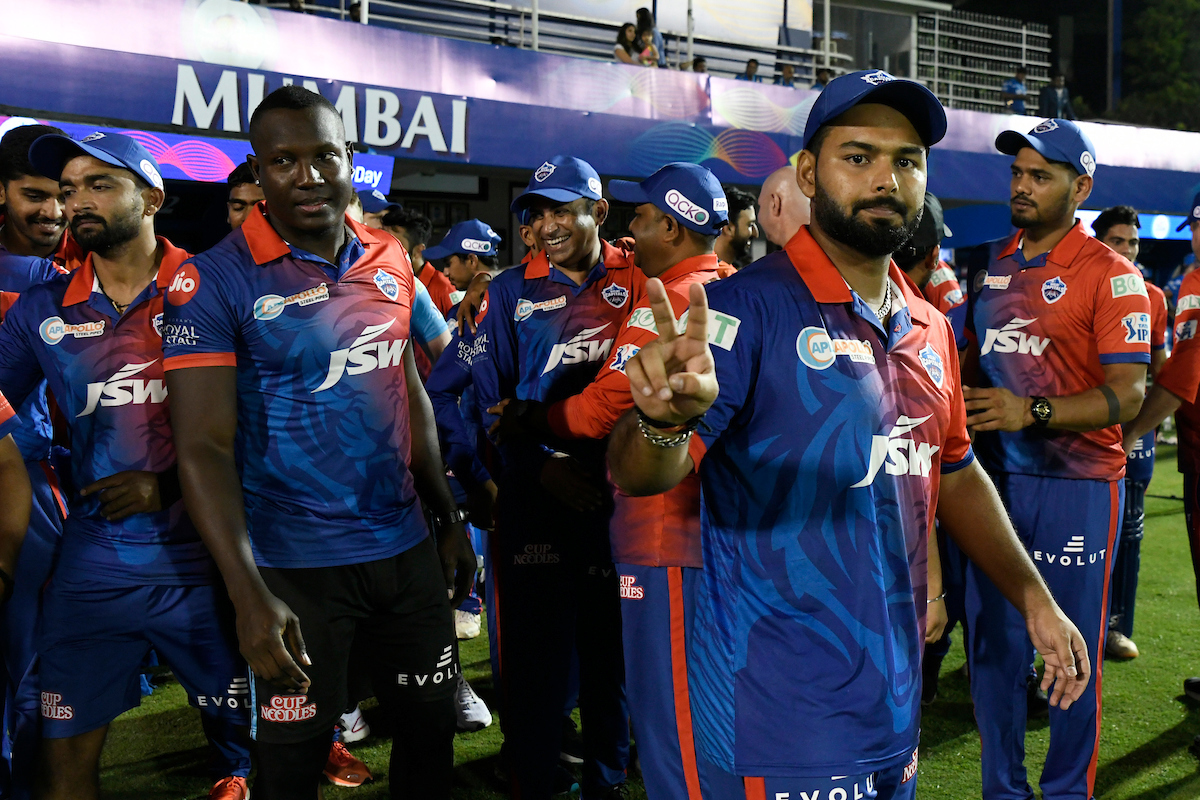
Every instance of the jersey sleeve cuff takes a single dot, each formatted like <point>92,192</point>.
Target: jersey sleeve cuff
<point>1124,358</point>
<point>965,461</point>
<point>1182,382</point>
<point>200,360</point>
<point>558,420</point>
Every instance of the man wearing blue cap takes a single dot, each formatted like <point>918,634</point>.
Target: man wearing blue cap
<point>1062,331</point>
<point>469,248</point>
<point>132,572</point>
<point>545,331</point>
<point>375,205</point>
<point>838,414</point>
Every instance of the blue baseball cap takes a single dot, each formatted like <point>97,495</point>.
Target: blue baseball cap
<point>1056,140</point>
<point>375,202</point>
<point>912,99</point>
<point>523,216</point>
<point>50,153</point>
<point>465,238</point>
<point>1193,215</point>
<point>688,192</point>
<point>561,179</point>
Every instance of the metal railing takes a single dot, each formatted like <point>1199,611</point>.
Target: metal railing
<point>528,27</point>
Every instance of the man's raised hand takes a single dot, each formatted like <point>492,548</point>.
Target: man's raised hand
<point>673,378</point>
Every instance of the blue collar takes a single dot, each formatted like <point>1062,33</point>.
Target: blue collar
<point>347,257</point>
<point>99,300</point>
<point>597,273</point>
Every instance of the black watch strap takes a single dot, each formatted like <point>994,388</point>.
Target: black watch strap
<point>457,515</point>
<point>1041,410</point>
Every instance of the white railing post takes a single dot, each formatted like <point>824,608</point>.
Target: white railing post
<point>364,11</point>
<point>691,26</point>
<point>534,25</point>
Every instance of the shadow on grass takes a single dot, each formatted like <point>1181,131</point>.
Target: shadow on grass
<point>1138,761</point>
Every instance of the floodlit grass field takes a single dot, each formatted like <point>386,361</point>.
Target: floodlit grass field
<point>157,752</point>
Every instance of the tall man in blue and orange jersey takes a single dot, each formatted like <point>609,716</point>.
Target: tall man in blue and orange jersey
<point>132,574</point>
<point>825,389</point>
<point>34,227</point>
<point>655,541</point>
<point>546,330</point>
<point>1063,331</point>
<point>1118,227</point>
<point>304,438</point>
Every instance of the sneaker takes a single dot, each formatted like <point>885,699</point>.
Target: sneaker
<point>1191,687</point>
<point>1119,646</point>
<point>466,624</point>
<point>343,769</point>
<point>571,749</point>
<point>353,727</point>
<point>473,714</point>
<point>564,782</point>
<point>231,788</point>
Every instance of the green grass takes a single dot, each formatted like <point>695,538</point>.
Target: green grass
<point>156,752</point>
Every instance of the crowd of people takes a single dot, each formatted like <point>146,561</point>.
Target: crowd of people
<point>705,492</point>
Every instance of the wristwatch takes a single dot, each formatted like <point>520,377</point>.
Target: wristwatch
<point>457,515</point>
<point>1041,410</point>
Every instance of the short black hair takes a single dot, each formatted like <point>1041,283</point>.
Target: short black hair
<point>415,224</point>
<point>291,98</point>
<point>14,151</point>
<point>1117,215</point>
<point>750,61</point>
<point>1021,69</point>
<point>242,174</point>
<point>739,201</point>
<point>908,257</point>
<point>699,60</point>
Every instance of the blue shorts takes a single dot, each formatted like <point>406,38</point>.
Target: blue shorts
<point>95,636</point>
<point>895,783</point>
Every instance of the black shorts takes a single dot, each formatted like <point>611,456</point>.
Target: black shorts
<point>394,612</point>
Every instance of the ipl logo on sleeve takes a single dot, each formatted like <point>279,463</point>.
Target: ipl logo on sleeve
<point>622,356</point>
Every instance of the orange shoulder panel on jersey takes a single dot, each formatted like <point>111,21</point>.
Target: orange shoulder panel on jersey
<point>1158,316</point>
<point>1181,374</point>
<point>943,291</point>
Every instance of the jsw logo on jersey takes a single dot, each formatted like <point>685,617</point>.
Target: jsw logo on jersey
<point>1011,339</point>
<point>365,355</point>
<point>900,456</point>
<point>122,389</point>
<point>581,349</point>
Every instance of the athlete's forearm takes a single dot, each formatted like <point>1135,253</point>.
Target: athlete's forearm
<point>933,569</point>
<point>425,462</point>
<point>1159,405</point>
<point>1117,400</point>
<point>970,510</point>
<point>640,468</point>
<point>14,511</point>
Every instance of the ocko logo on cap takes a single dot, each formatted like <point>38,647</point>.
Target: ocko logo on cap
<point>686,208</point>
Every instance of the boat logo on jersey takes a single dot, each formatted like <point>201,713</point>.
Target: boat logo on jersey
<point>580,349</point>
<point>622,356</point>
<point>53,330</point>
<point>900,455</point>
<point>1137,328</point>
<point>122,389</point>
<point>288,708</point>
<point>818,351</point>
<point>270,306</point>
<point>525,308</point>
<point>615,295</point>
<point>1011,339</point>
<point>544,171</point>
<point>156,321</point>
<point>932,362</point>
<point>1124,285</point>
<point>686,208</point>
<point>1053,290</point>
<point>1185,330</point>
<point>940,276</point>
<point>365,355</point>
<point>387,284</point>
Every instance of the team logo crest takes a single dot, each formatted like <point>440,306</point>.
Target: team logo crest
<point>1053,290</point>
<point>622,356</point>
<point>156,321</point>
<point>544,172</point>
<point>387,284</point>
<point>93,137</point>
<point>1047,126</point>
<point>877,77</point>
<point>932,362</point>
<point>815,348</point>
<point>615,295</point>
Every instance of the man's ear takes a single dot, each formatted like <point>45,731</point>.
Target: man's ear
<point>600,212</point>
<point>252,160</point>
<point>153,199</point>
<point>806,173</point>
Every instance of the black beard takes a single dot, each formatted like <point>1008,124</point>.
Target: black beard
<point>124,228</point>
<point>871,239</point>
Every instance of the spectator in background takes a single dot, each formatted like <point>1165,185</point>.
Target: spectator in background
<point>782,207</point>
<point>786,76</point>
<point>646,22</point>
<point>374,205</point>
<point>648,53</point>
<point>824,76</point>
<point>625,50</point>
<point>1014,92</point>
<point>244,194</point>
<point>1055,101</point>
<point>733,245</point>
<point>699,64</point>
<point>751,73</point>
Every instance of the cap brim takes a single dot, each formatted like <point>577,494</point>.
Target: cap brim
<point>50,153</point>
<point>917,103</point>
<point>628,192</point>
<point>557,195</point>
<point>436,252</point>
<point>1186,223</point>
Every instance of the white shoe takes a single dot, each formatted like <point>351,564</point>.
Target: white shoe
<point>473,714</point>
<point>354,727</point>
<point>466,624</point>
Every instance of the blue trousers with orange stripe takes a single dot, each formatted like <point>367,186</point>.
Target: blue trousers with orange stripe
<point>656,610</point>
<point>1071,530</point>
<point>18,628</point>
